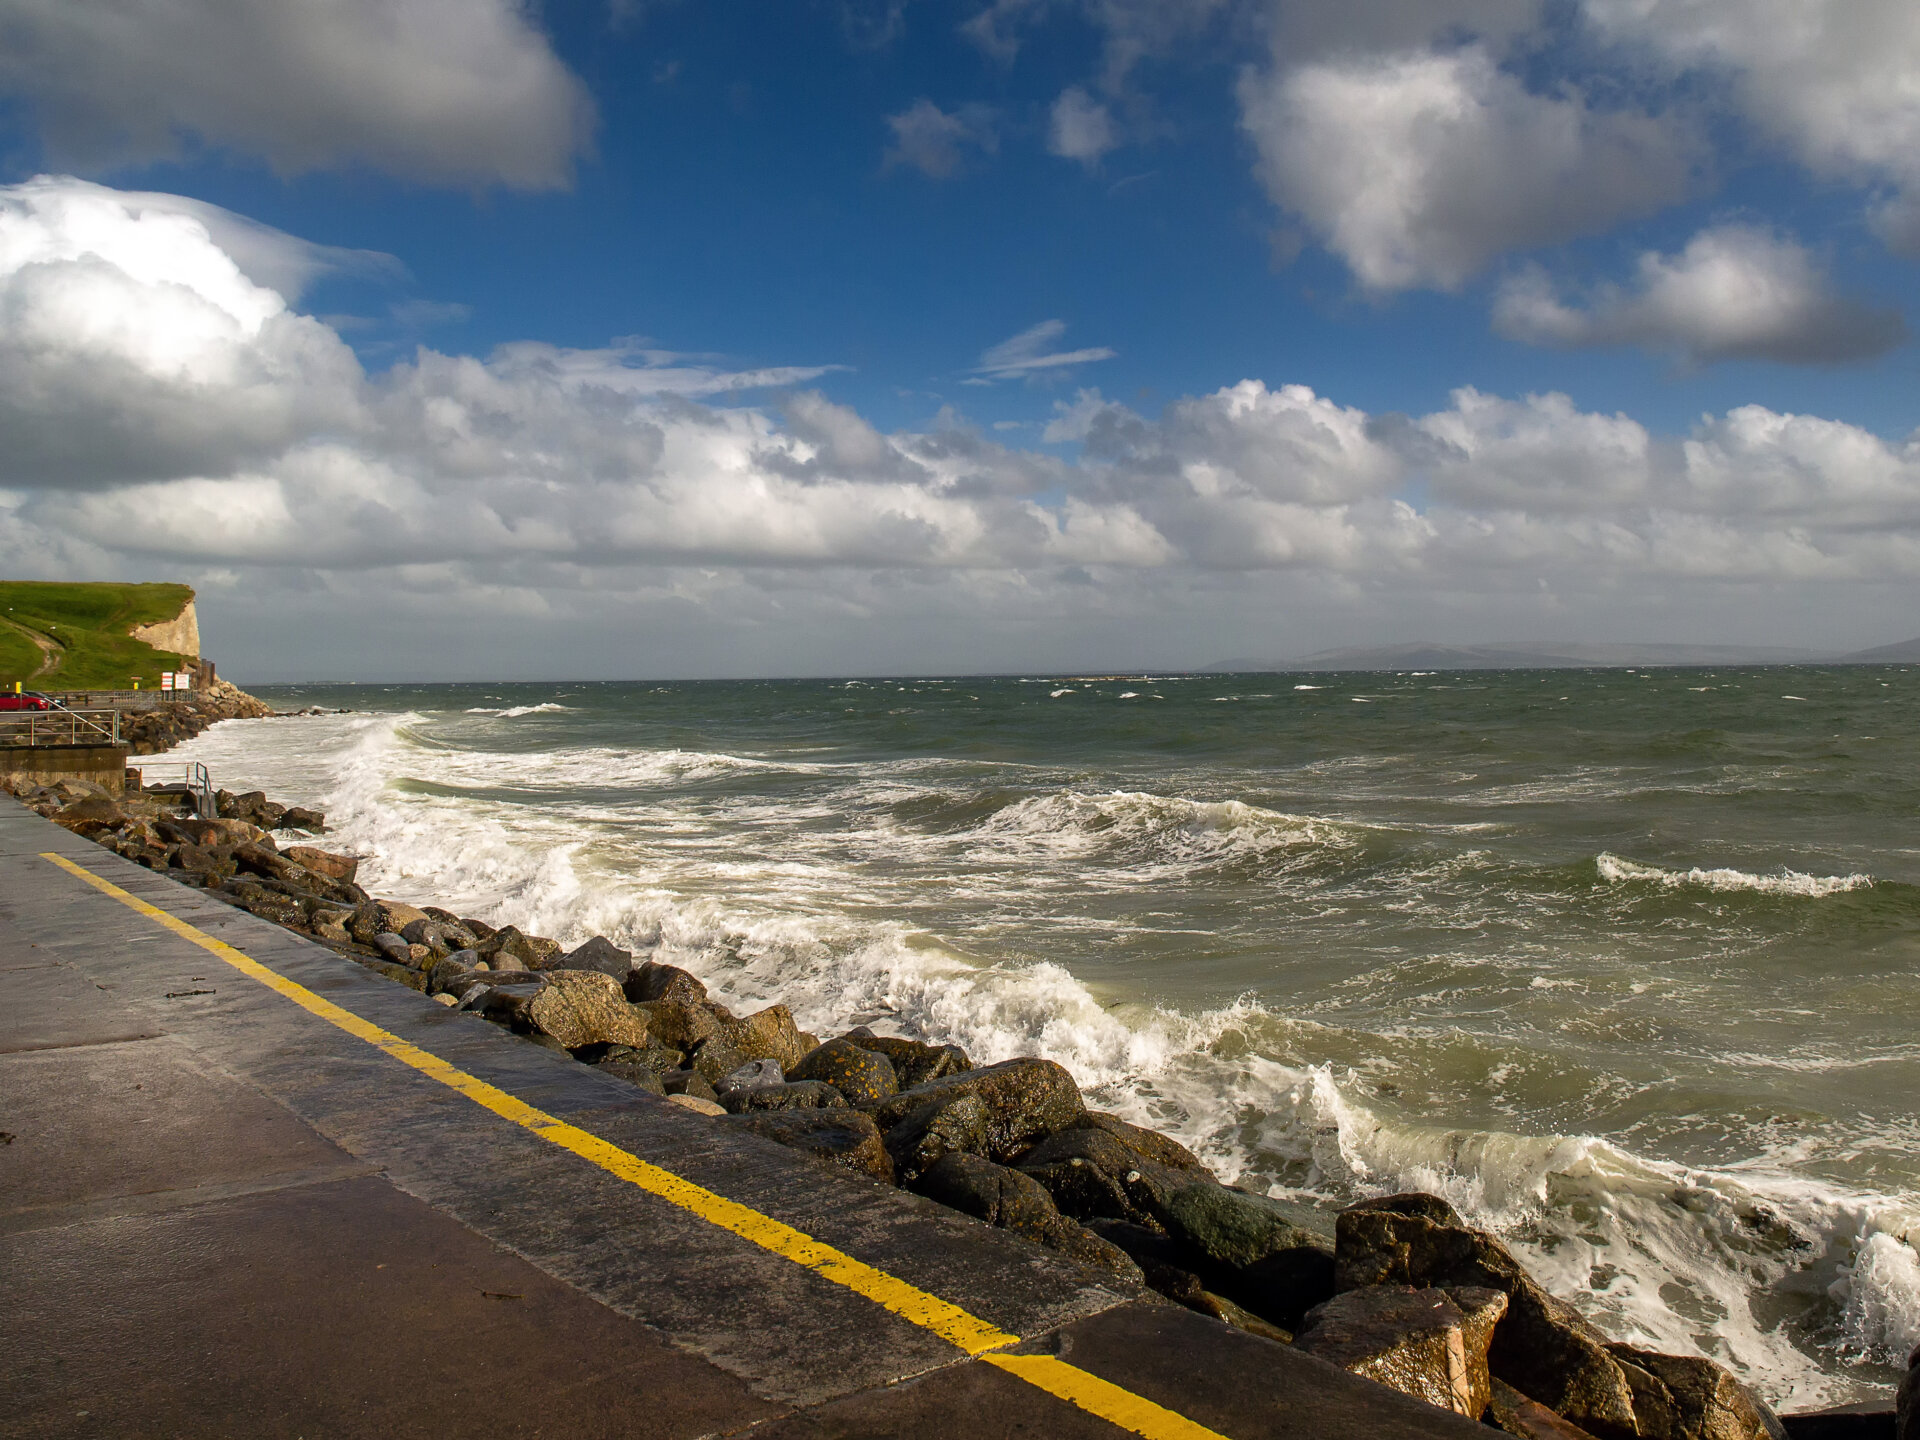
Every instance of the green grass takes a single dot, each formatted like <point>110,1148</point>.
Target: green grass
<point>88,624</point>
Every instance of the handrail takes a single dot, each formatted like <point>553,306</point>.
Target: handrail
<point>59,727</point>
<point>194,778</point>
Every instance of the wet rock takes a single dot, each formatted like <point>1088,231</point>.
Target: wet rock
<point>452,973</point>
<point>1023,1101</point>
<point>837,1136</point>
<point>426,931</point>
<point>479,929</point>
<point>298,817</point>
<point>1543,1348</point>
<point>376,916</point>
<point>716,1059</point>
<point>1149,1145</point>
<point>505,1002</point>
<point>600,954</point>
<point>768,1034</point>
<point>393,947</point>
<point>680,1024</point>
<point>634,1073</point>
<point>1091,1174</point>
<point>865,1077</point>
<point>801,1095</point>
<point>203,860</point>
<point>688,1082</point>
<point>650,982</point>
<point>584,1007</point>
<point>1232,1228</point>
<point>1284,1286</point>
<point>1510,1411</point>
<point>253,807</point>
<point>1008,1200</point>
<point>535,952</point>
<point>1419,1342</point>
<point>90,817</point>
<point>1688,1397</point>
<point>330,926</point>
<point>754,1075</point>
<point>914,1062</point>
<point>942,1126</point>
<point>324,862</point>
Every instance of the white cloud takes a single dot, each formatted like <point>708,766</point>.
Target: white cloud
<point>461,92</point>
<point>1028,352</point>
<point>935,142</point>
<point>1837,82</point>
<point>161,413</point>
<point>1736,292</point>
<point>1080,128</point>
<point>1418,169</point>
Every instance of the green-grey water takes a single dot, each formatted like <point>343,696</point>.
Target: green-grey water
<point>1622,962</point>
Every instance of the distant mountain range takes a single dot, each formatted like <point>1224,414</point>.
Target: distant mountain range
<point>1565,655</point>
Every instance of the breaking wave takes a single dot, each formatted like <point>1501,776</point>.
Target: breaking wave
<point>1616,871</point>
<point>514,712</point>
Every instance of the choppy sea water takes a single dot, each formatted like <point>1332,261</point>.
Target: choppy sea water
<point>1625,964</point>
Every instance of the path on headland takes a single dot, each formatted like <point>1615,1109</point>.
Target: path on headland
<point>250,1188</point>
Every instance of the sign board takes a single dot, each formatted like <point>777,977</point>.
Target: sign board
<point>183,679</point>
<point>166,679</point>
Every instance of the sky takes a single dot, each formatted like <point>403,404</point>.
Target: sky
<point>487,339</point>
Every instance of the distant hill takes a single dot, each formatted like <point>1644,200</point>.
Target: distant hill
<point>1906,650</point>
<point>83,636</point>
<point>1528,655</point>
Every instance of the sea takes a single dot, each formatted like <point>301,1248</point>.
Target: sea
<point>1624,963</point>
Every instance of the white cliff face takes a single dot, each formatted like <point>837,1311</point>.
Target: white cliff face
<point>178,636</point>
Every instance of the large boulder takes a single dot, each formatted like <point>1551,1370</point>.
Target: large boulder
<point>1008,1200</point>
<point>843,1137</point>
<point>376,916</point>
<point>600,954</point>
<point>1543,1347</point>
<point>584,1007</point>
<point>1430,1344</point>
<point>90,817</point>
<point>864,1076</point>
<point>1023,1101</point>
<point>679,1024</point>
<point>1688,1397</point>
<point>1232,1228</point>
<point>634,1072</point>
<point>768,1034</point>
<point>1091,1175</point>
<point>944,1126</point>
<point>653,981</point>
<point>1148,1144</point>
<point>914,1062</point>
<point>324,862</point>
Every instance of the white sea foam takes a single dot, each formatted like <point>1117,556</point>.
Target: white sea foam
<point>1653,1251</point>
<point>514,712</point>
<point>1617,871</point>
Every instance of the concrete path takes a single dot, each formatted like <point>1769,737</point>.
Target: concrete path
<point>247,1187</point>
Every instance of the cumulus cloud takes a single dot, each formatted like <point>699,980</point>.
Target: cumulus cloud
<point>935,142</point>
<point>1736,292</point>
<point>1836,83</point>
<point>1030,352</point>
<point>161,408</point>
<point>1419,168</point>
<point>1080,127</point>
<point>462,92</point>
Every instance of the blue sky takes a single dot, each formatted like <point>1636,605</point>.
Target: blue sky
<point>659,338</point>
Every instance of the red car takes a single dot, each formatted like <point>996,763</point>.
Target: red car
<point>24,700</point>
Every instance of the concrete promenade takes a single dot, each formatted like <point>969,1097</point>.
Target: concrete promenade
<point>248,1188</point>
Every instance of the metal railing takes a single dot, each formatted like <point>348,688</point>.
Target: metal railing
<point>194,781</point>
<point>59,727</point>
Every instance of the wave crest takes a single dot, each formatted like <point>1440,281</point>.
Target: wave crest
<point>1616,871</point>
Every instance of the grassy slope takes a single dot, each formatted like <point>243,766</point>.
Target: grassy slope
<point>89,622</point>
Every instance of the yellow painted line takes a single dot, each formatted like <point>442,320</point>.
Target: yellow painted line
<point>1100,1397</point>
<point>942,1317</point>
